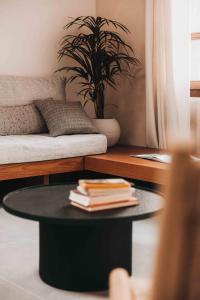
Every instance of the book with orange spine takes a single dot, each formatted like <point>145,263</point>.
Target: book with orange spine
<point>104,183</point>
<point>125,203</point>
<point>86,200</point>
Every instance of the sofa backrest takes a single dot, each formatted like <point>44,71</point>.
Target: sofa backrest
<point>18,90</point>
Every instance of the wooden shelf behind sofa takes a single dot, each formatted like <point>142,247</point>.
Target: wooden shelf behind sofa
<point>118,162</point>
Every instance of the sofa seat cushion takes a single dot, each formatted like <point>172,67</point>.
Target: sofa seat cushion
<point>40,147</point>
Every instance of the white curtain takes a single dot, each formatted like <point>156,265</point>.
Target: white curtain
<point>167,71</point>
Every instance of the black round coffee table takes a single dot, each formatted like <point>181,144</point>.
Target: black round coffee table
<point>78,249</point>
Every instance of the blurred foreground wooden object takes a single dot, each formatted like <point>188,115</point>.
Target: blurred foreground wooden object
<point>177,272</point>
<point>120,287</point>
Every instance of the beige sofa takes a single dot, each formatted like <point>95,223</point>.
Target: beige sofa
<point>27,155</point>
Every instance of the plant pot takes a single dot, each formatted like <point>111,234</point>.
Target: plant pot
<point>110,128</point>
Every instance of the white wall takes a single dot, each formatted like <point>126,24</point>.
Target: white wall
<point>30,31</point>
<point>129,98</point>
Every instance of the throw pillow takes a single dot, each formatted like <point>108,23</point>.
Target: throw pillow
<point>22,119</point>
<point>65,118</point>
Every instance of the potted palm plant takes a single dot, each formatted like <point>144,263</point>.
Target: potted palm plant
<point>97,56</point>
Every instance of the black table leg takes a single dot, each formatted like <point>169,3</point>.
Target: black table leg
<point>79,258</point>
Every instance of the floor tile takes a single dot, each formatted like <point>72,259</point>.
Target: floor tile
<point>10,291</point>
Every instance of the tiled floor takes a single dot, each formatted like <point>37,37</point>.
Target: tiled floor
<point>19,279</point>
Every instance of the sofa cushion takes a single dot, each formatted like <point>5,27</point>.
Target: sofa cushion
<point>22,119</point>
<point>40,147</point>
<point>18,90</point>
<point>65,118</point>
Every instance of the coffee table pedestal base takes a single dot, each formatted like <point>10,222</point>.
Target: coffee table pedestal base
<point>80,257</point>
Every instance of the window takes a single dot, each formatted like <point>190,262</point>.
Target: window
<point>195,49</point>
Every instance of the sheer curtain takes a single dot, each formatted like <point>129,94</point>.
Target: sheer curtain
<point>167,71</point>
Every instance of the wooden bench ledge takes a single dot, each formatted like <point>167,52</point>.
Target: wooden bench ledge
<point>40,168</point>
<point>115,162</point>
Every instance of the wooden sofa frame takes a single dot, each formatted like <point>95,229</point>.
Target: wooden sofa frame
<point>115,162</point>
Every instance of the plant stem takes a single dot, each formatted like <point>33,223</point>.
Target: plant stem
<point>99,107</point>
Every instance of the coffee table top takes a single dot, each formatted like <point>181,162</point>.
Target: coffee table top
<point>50,204</point>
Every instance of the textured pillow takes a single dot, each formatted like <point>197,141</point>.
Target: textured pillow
<point>65,118</point>
<point>23,119</point>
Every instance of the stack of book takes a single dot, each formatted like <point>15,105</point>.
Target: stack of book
<point>102,194</point>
